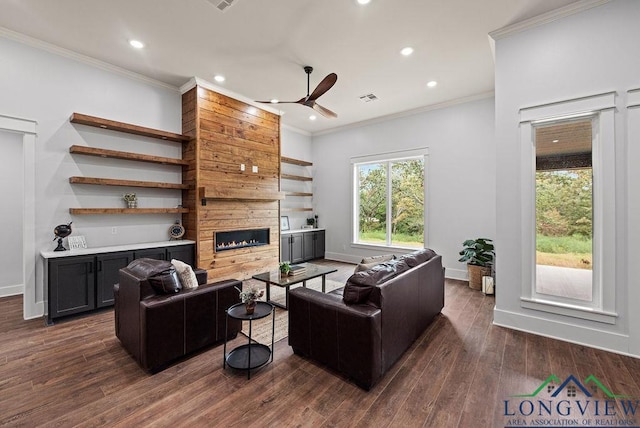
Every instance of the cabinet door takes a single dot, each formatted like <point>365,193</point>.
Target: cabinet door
<point>183,253</point>
<point>107,274</point>
<point>297,253</point>
<point>285,248</point>
<point>308,245</point>
<point>318,251</point>
<point>71,285</point>
<point>151,253</point>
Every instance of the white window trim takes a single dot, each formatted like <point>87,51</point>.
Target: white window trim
<point>386,157</point>
<point>601,108</point>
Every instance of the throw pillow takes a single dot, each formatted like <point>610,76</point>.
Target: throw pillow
<point>186,274</point>
<point>378,259</point>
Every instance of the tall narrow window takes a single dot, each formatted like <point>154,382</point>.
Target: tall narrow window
<point>564,210</point>
<point>389,196</point>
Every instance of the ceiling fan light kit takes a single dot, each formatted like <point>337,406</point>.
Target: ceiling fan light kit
<point>310,100</point>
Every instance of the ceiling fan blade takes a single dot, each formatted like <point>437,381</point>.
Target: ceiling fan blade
<point>300,101</point>
<point>324,111</point>
<point>323,86</point>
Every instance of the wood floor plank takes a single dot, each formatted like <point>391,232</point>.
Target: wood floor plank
<point>458,373</point>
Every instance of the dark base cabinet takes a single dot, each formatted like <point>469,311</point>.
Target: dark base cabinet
<point>78,284</point>
<point>302,246</point>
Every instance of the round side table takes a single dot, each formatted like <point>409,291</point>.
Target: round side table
<point>252,355</point>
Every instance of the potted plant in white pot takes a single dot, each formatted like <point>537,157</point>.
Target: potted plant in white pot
<point>479,254</point>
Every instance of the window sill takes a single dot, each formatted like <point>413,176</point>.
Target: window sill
<point>384,247</point>
<point>569,310</point>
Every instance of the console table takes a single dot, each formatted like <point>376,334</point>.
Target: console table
<point>253,355</point>
<point>81,280</point>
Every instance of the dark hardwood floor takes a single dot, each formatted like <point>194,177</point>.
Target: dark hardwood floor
<point>457,374</point>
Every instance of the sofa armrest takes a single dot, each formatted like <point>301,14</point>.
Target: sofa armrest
<point>346,338</point>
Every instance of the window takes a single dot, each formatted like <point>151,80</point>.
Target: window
<point>568,189</point>
<point>389,199</point>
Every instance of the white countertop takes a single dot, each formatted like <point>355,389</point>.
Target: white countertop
<point>287,232</point>
<point>112,249</point>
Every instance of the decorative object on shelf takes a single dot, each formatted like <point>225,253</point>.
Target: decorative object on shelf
<point>311,222</point>
<point>76,242</point>
<point>61,231</point>
<point>479,254</point>
<point>284,222</point>
<point>176,231</point>
<point>285,268</point>
<point>131,200</point>
<point>249,297</point>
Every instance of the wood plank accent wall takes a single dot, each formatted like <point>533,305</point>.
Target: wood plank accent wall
<point>226,133</point>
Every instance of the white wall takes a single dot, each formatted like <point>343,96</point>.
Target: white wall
<point>296,144</point>
<point>11,188</point>
<point>460,177</point>
<point>589,53</point>
<point>47,88</point>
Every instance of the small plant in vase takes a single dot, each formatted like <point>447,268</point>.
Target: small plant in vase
<point>285,268</point>
<point>311,222</point>
<point>249,297</point>
<point>131,200</point>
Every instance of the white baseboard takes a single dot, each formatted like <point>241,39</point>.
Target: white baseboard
<point>580,335</point>
<point>459,274</point>
<point>11,290</point>
<point>34,311</point>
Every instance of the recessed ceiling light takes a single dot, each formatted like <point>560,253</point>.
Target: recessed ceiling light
<point>555,141</point>
<point>407,51</point>
<point>219,78</point>
<point>432,84</point>
<point>363,1</point>
<point>312,117</point>
<point>136,44</point>
<point>275,101</point>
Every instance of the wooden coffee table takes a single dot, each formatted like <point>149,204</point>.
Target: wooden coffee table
<point>275,278</point>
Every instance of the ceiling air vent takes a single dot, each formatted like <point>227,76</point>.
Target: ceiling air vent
<point>368,98</point>
<point>222,5</point>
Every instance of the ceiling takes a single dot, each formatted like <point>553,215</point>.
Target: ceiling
<point>261,46</point>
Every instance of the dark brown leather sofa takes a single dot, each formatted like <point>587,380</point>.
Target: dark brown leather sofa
<point>386,309</point>
<point>158,328</point>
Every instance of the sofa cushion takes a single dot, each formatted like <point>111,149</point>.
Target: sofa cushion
<point>160,274</point>
<point>417,257</point>
<point>360,284</point>
<point>186,274</point>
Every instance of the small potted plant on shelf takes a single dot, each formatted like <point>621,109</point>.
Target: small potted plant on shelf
<point>479,254</point>
<point>250,297</point>
<point>131,200</point>
<point>310,223</point>
<point>285,268</point>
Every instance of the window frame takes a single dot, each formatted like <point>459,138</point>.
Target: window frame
<point>388,158</point>
<point>601,109</point>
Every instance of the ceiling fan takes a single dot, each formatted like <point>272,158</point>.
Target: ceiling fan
<point>310,99</point>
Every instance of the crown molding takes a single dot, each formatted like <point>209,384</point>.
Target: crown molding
<point>545,18</point>
<point>197,81</point>
<point>45,46</point>
<point>412,112</point>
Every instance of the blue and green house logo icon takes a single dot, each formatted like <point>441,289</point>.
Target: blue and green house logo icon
<point>572,403</point>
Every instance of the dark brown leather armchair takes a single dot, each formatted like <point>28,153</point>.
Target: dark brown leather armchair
<point>159,328</point>
<point>363,340</point>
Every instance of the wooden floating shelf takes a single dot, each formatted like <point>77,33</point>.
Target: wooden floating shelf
<point>295,161</point>
<point>295,177</point>
<point>298,194</point>
<point>205,193</point>
<point>82,211</point>
<point>126,183</point>
<point>296,209</point>
<point>115,154</point>
<point>128,128</point>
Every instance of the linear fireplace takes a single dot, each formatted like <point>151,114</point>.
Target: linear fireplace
<point>235,239</point>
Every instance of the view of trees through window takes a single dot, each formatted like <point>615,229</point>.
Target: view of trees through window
<point>564,218</point>
<point>391,208</point>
